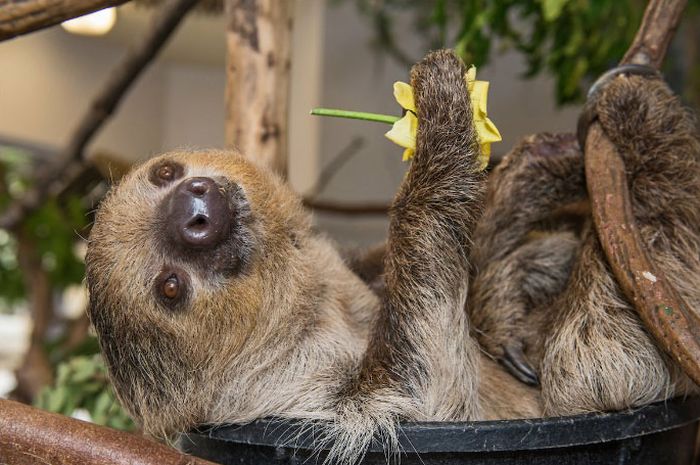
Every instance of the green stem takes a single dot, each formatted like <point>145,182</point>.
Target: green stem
<point>388,119</point>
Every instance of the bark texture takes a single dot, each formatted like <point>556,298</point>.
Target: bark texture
<point>663,311</point>
<point>29,436</point>
<point>259,36</point>
<point>19,17</point>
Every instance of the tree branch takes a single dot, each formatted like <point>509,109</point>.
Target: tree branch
<point>662,309</point>
<point>19,17</point>
<point>49,178</point>
<point>29,436</point>
<point>347,208</point>
<point>658,27</point>
<point>35,371</point>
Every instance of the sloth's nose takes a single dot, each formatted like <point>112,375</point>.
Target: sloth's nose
<point>198,212</point>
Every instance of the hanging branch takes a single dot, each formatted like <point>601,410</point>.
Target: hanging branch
<point>347,208</point>
<point>665,314</point>
<point>19,17</point>
<point>35,371</point>
<point>48,179</point>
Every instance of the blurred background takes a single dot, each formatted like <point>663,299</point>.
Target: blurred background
<point>539,56</point>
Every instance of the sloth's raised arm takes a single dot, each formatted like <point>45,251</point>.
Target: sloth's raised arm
<point>420,343</point>
<point>420,362</point>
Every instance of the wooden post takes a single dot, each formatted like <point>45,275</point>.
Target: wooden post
<point>258,35</point>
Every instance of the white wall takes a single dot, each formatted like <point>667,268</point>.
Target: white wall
<point>47,80</point>
<point>356,78</point>
<point>306,83</point>
<point>193,106</point>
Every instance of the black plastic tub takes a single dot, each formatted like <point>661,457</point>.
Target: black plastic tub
<point>657,434</point>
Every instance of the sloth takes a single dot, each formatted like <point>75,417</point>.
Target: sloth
<point>215,301</point>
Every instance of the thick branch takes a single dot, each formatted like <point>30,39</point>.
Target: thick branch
<point>19,17</point>
<point>29,436</point>
<point>663,311</point>
<point>661,308</point>
<point>259,34</point>
<point>658,26</point>
<point>48,179</point>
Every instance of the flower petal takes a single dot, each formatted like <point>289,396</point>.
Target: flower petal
<point>485,155</point>
<point>470,77</point>
<point>403,93</point>
<point>403,132</point>
<point>479,97</point>
<point>471,74</point>
<point>487,131</point>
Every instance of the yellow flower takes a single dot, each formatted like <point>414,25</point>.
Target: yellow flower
<point>403,132</point>
<point>486,130</point>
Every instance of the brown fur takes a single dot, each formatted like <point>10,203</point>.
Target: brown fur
<point>598,333</point>
<point>553,293</point>
<point>289,329</point>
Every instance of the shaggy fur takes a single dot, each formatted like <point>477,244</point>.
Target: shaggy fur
<point>274,322</point>
<point>545,288</point>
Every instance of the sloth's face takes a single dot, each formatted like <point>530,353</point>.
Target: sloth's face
<point>184,258</point>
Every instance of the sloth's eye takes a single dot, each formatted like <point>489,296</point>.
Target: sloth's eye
<point>165,172</point>
<point>171,286</point>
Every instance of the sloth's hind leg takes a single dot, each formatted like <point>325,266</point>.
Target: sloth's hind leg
<point>524,245</point>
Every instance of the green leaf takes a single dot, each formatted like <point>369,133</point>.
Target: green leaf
<point>83,369</point>
<point>551,9</point>
<point>56,399</point>
<point>82,384</point>
<point>100,411</point>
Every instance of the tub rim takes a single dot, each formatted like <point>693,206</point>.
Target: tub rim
<point>481,436</point>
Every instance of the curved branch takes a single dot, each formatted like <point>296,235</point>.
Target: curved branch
<point>668,318</point>
<point>664,313</point>
<point>658,27</point>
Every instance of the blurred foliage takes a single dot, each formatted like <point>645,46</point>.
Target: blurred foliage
<point>82,383</point>
<point>80,375</point>
<point>573,40</point>
<point>53,228</point>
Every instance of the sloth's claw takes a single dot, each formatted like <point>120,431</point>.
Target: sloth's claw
<point>517,364</point>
